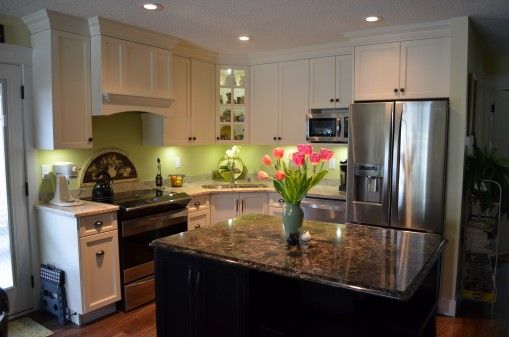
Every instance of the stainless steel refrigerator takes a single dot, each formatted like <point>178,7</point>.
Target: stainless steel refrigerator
<point>397,164</point>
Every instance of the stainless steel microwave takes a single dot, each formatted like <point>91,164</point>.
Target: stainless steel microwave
<point>327,126</point>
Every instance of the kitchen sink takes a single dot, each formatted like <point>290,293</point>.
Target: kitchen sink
<point>220,186</point>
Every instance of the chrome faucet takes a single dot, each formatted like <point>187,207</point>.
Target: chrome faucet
<point>232,175</point>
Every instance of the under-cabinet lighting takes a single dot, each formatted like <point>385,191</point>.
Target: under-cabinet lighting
<point>244,38</point>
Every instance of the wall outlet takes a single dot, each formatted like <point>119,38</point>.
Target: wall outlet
<point>177,162</point>
<point>332,163</point>
<point>45,169</point>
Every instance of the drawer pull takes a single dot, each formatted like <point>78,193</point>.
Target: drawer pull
<point>197,203</point>
<point>197,226</point>
<point>99,253</point>
<point>98,224</point>
<point>281,201</point>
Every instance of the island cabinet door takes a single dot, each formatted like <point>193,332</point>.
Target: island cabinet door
<point>221,299</point>
<point>174,294</point>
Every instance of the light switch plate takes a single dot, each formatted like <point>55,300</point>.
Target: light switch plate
<point>332,163</point>
<point>45,169</point>
<point>177,162</point>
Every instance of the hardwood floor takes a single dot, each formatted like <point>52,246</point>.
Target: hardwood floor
<point>141,323</point>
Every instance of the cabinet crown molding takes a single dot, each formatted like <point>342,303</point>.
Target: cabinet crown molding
<point>46,19</point>
<point>424,30</point>
<point>102,26</point>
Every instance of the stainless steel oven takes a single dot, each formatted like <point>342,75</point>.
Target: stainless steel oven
<point>137,257</point>
<point>327,126</point>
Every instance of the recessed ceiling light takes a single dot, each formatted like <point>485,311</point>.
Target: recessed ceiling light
<point>244,38</point>
<point>152,6</point>
<point>373,18</point>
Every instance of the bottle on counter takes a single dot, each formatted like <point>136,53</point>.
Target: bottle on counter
<point>159,177</point>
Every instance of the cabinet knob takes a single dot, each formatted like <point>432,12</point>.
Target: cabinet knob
<point>395,90</point>
<point>189,138</point>
<point>197,226</point>
<point>194,138</point>
<point>281,201</point>
<point>98,224</point>
<point>99,253</point>
<point>331,100</point>
<point>337,99</point>
<point>197,203</point>
<point>278,138</point>
<point>90,140</point>
<point>217,138</point>
<point>402,89</point>
<point>274,138</point>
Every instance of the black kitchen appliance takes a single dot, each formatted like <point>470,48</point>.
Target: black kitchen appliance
<point>143,216</point>
<point>102,191</point>
<point>343,167</point>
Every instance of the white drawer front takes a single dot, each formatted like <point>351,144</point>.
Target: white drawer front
<point>99,223</point>
<point>275,200</point>
<point>199,203</point>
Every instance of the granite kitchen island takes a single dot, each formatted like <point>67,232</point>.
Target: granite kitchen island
<point>241,278</point>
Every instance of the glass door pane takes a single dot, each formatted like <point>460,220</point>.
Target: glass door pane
<point>6,276</point>
<point>232,106</point>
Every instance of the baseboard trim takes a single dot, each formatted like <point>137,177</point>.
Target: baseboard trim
<point>92,316</point>
<point>447,307</point>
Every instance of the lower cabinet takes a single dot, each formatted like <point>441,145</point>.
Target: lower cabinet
<point>199,212</point>
<point>199,297</point>
<point>229,205</point>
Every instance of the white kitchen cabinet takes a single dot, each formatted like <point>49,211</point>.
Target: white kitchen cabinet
<point>330,82</point>
<point>86,248</point>
<point>100,270</point>
<point>192,118</point>
<point>399,70</point>
<point>198,212</point>
<point>279,102</point>
<point>62,84</point>
<point>276,204</point>
<point>264,103</point>
<point>224,206</point>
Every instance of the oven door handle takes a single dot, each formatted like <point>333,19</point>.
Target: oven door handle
<point>152,222</point>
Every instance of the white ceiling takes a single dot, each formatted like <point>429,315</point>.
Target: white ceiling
<point>278,24</point>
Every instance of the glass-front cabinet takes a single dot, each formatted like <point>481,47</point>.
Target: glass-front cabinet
<point>232,105</point>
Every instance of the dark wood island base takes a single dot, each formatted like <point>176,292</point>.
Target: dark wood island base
<point>241,279</point>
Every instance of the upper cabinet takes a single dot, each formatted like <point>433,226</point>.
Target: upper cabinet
<point>192,116</point>
<point>232,104</point>
<point>330,82</point>
<point>131,69</point>
<point>403,70</point>
<point>279,102</point>
<point>61,75</point>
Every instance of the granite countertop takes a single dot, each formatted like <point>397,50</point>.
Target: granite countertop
<point>319,191</point>
<point>379,261</point>
<point>88,208</point>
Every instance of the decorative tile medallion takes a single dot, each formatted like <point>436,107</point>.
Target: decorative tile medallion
<point>115,163</point>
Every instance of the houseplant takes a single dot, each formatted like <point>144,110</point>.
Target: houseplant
<point>293,184</point>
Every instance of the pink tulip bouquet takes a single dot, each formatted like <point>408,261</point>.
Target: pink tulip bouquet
<point>294,183</point>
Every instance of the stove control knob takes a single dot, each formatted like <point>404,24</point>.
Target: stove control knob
<point>98,224</point>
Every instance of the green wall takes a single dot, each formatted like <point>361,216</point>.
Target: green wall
<point>124,131</point>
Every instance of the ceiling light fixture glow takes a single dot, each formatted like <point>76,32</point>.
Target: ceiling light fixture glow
<point>152,6</point>
<point>372,18</point>
<point>244,38</point>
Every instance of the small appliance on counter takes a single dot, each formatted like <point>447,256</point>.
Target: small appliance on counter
<point>64,172</point>
<point>102,191</point>
<point>343,167</point>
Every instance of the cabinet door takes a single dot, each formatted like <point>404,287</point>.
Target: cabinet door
<point>425,67</point>
<point>344,80</point>
<point>203,102</point>
<point>72,111</point>
<point>223,206</point>
<point>322,82</point>
<point>376,71</point>
<point>177,127</point>
<point>198,219</point>
<point>293,101</point>
<point>264,103</point>
<point>174,288</point>
<point>254,203</point>
<point>220,300</point>
<point>100,270</point>
<point>276,211</point>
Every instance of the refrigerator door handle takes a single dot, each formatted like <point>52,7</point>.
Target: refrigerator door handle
<point>396,152</point>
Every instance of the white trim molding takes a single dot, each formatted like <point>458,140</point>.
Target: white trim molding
<point>45,19</point>
<point>424,30</point>
<point>12,54</point>
<point>446,307</point>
